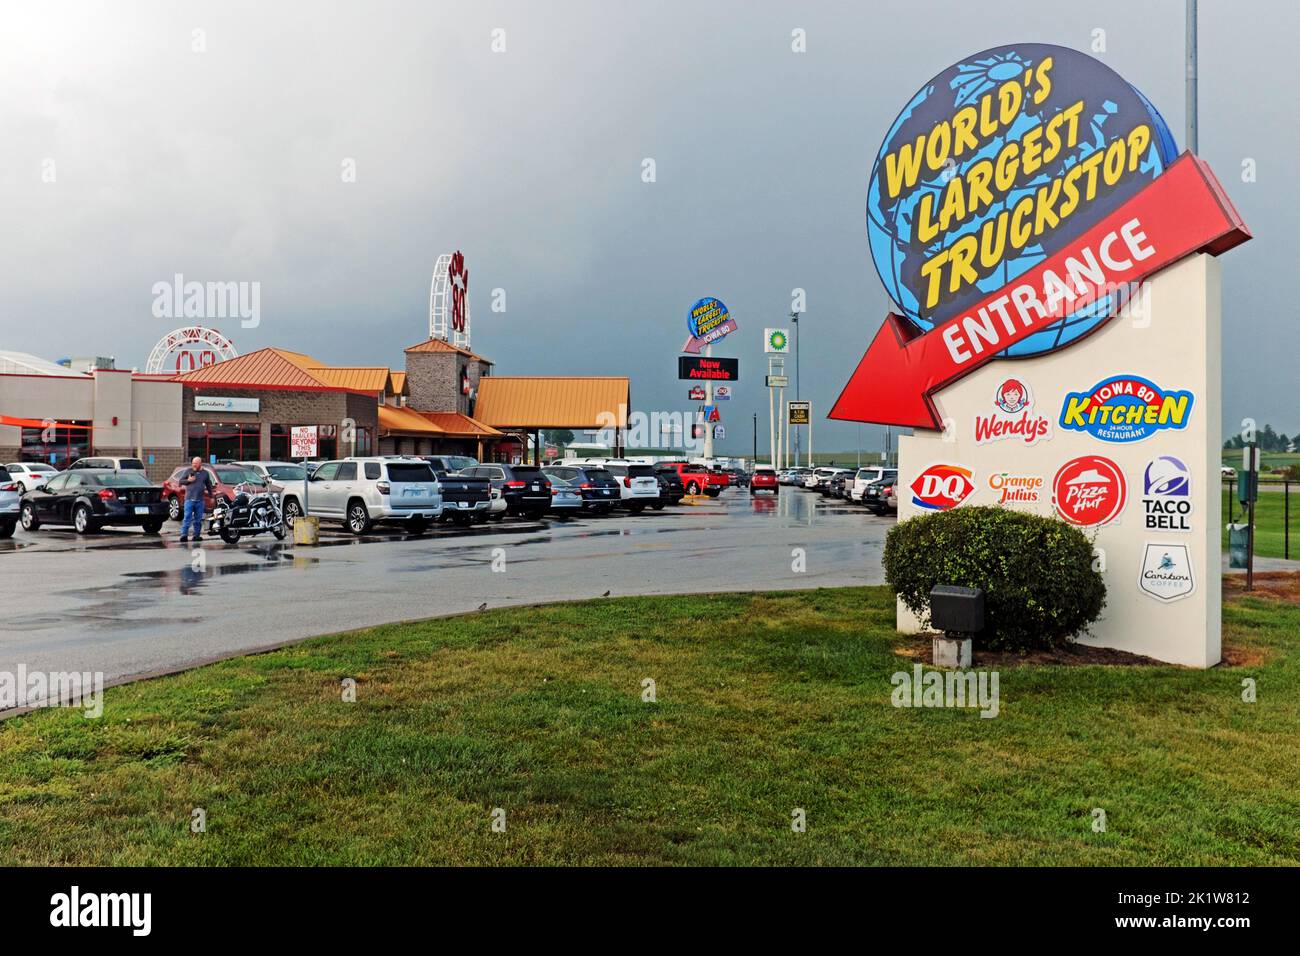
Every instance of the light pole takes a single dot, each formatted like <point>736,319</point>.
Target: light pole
<point>1192,130</point>
<point>794,317</point>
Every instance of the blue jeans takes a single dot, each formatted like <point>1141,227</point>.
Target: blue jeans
<point>194,514</point>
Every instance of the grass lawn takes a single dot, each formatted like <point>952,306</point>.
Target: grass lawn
<point>765,703</point>
<point>1269,525</point>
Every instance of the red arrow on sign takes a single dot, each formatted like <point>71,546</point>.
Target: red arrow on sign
<point>1182,211</point>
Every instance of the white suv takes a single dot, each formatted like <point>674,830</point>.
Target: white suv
<point>866,476</point>
<point>638,486</point>
<point>819,476</point>
<point>362,492</point>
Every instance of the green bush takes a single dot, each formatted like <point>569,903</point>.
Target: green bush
<point>1039,585</point>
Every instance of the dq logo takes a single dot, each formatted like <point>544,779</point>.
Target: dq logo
<point>942,486</point>
<point>1089,490</point>
<point>1125,409</point>
<point>1013,416</point>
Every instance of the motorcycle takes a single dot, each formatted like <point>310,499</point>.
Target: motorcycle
<point>251,512</point>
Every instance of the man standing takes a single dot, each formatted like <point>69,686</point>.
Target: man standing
<point>197,483</point>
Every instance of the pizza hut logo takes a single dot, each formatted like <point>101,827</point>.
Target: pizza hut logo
<point>458,277</point>
<point>1012,416</point>
<point>1089,491</point>
<point>942,486</point>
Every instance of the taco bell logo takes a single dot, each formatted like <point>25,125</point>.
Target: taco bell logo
<point>1167,495</point>
<point>1012,417</point>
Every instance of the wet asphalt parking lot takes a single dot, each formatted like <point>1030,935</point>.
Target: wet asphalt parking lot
<point>129,604</point>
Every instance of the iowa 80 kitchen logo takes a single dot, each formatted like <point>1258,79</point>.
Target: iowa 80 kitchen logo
<point>1089,491</point>
<point>942,486</point>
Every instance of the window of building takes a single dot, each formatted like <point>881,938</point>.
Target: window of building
<point>59,444</point>
<point>224,441</point>
<point>279,442</point>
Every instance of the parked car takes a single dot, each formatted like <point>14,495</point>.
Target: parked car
<point>697,479</point>
<point>110,463</point>
<point>30,474</point>
<point>879,497</point>
<point>739,477</point>
<point>637,484</point>
<point>818,477</point>
<point>11,498</point>
<point>525,489</point>
<point>600,489</point>
<point>795,476</point>
<point>363,492</point>
<point>824,484</point>
<point>274,473</point>
<point>764,479</point>
<point>465,497</point>
<point>223,479</point>
<point>866,476</point>
<point>834,486</point>
<point>451,464</point>
<point>671,489</point>
<point>1226,471</point>
<point>92,498</point>
<point>566,496</point>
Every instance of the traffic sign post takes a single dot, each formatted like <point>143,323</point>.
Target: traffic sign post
<point>304,443</point>
<point>1250,486</point>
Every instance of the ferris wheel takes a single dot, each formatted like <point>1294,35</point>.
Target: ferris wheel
<point>449,300</point>
<point>188,348</point>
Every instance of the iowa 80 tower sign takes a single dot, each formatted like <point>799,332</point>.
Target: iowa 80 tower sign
<point>1056,342</point>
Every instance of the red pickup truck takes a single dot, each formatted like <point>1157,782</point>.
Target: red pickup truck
<point>697,479</point>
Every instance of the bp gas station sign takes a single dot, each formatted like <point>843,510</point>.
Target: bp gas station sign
<point>1055,344</point>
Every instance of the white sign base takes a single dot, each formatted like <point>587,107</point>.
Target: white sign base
<point>1161,336</point>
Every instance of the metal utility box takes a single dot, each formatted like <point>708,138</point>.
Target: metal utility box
<point>956,610</point>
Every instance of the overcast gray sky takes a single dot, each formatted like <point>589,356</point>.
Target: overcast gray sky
<point>226,165</point>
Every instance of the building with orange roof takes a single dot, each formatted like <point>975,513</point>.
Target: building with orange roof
<point>444,401</point>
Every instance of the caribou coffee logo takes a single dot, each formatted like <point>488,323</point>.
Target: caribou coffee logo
<point>1012,417</point>
<point>1167,495</point>
<point>942,486</point>
<point>1167,572</point>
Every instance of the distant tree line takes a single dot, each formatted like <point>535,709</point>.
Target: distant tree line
<point>1267,439</point>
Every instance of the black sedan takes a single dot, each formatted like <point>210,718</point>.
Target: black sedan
<point>92,498</point>
<point>876,496</point>
<point>526,490</point>
<point>671,489</point>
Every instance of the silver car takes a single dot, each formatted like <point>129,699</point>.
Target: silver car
<point>362,492</point>
<point>31,475</point>
<point>275,473</point>
<point>566,496</point>
<point>10,501</point>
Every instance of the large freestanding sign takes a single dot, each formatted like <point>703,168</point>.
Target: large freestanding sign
<point>1029,204</point>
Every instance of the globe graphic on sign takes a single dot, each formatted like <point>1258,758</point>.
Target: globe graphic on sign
<point>1112,107</point>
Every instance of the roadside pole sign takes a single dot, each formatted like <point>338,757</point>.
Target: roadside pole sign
<point>708,321</point>
<point>719,431</point>
<point>777,381</point>
<point>697,393</point>
<point>1029,203</point>
<point>303,441</point>
<point>776,341</point>
<point>705,369</point>
<point>800,413</point>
